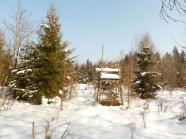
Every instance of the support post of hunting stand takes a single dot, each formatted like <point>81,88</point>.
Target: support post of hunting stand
<point>102,57</point>
<point>101,70</point>
<point>121,94</point>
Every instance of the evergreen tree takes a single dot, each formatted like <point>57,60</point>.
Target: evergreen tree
<point>23,85</point>
<point>90,70</point>
<point>53,64</point>
<point>46,65</point>
<point>82,74</point>
<point>177,68</point>
<point>85,72</point>
<point>183,58</point>
<point>183,72</point>
<point>145,82</point>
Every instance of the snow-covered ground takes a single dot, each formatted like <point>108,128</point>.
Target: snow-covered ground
<point>89,120</point>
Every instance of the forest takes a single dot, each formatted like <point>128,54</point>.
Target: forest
<point>33,68</point>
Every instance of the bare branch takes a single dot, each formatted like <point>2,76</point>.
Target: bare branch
<point>171,5</point>
<point>184,47</point>
<point>18,29</point>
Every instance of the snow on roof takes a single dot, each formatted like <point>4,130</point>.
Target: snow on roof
<point>109,76</point>
<point>107,69</point>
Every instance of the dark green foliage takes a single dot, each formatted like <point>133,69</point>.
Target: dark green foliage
<point>23,85</point>
<point>182,71</point>
<point>90,70</point>
<point>50,55</point>
<point>145,82</point>
<point>178,68</point>
<point>144,59</point>
<point>85,72</point>
<point>82,74</point>
<point>44,66</point>
<point>183,58</point>
<point>53,64</point>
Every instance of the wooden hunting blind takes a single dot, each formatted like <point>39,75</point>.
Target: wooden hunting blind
<point>109,86</point>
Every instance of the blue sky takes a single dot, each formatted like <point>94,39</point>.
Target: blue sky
<point>89,24</point>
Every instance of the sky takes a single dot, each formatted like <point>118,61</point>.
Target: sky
<point>89,24</point>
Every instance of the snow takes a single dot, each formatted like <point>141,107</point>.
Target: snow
<point>109,76</point>
<point>21,72</point>
<point>3,91</point>
<point>137,82</point>
<point>60,91</point>
<point>144,73</point>
<point>15,70</point>
<point>29,70</point>
<point>107,69</point>
<point>90,120</point>
<point>44,25</point>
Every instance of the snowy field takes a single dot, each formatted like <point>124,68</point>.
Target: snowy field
<point>86,119</point>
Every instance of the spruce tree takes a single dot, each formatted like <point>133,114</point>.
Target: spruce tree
<point>183,58</point>
<point>82,74</point>
<point>89,70</point>
<point>45,66</point>
<point>85,72</point>
<point>183,72</point>
<point>23,85</point>
<point>145,82</point>
<point>53,62</point>
<point>177,68</point>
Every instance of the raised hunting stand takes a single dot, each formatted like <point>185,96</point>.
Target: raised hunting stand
<point>109,86</point>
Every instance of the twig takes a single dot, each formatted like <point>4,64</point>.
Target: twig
<point>65,131</point>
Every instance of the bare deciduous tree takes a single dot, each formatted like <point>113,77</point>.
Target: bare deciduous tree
<point>4,59</point>
<point>19,28</point>
<point>127,68</point>
<point>2,42</point>
<point>167,70</point>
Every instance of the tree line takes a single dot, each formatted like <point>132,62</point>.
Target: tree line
<point>143,71</point>
<point>33,67</point>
